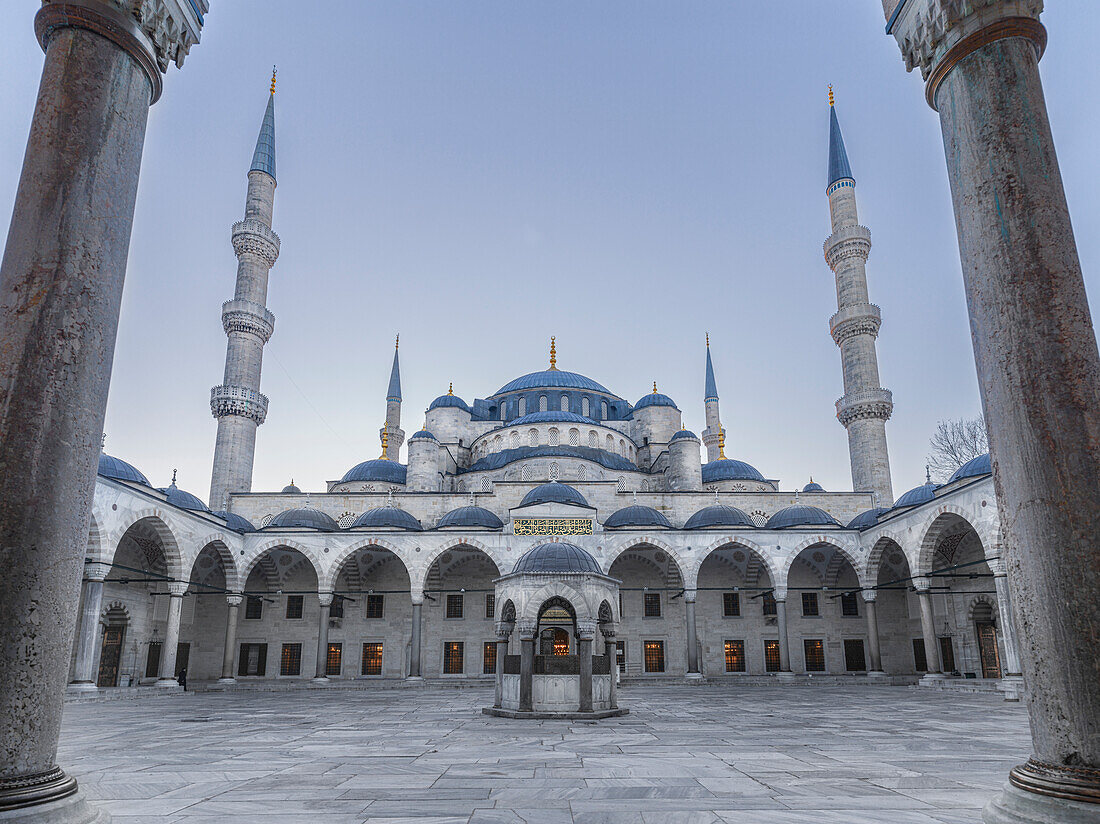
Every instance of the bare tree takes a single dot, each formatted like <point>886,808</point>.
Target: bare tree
<point>954,443</point>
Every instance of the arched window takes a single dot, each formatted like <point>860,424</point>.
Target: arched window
<point>502,410</point>
<point>533,437</point>
<point>603,410</point>
<point>553,436</point>
<point>610,444</point>
<point>525,473</point>
<point>586,407</point>
<point>621,486</point>
<point>574,437</point>
<point>593,439</point>
<point>522,407</point>
<point>622,447</point>
<point>486,485</point>
<point>645,485</point>
<point>515,440</point>
<point>582,473</point>
<point>564,403</point>
<point>553,470</point>
<point>543,403</point>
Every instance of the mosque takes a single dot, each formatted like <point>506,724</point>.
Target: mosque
<point>484,549</point>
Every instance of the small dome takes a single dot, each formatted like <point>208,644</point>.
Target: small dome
<point>551,417</point>
<point>291,489</point>
<point>557,557</point>
<point>449,402</point>
<point>726,469</point>
<point>470,516</point>
<point>718,515</point>
<point>423,434</point>
<point>376,470</point>
<point>554,493</point>
<point>865,520</point>
<point>800,515</point>
<point>684,434</point>
<point>305,518</point>
<point>636,516</point>
<point>973,468</point>
<point>236,522</point>
<point>184,500</point>
<point>655,399</point>
<point>812,487</point>
<point>119,470</point>
<point>918,495</point>
<point>552,379</point>
<point>387,517</point>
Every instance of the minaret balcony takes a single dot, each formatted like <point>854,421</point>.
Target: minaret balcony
<point>861,319</point>
<point>240,401</point>
<point>252,237</point>
<point>248,316</point>
<point>866,403</point>
<point>847,242</point>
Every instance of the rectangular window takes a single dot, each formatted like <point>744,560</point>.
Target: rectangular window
<point>375,605</point>
<point>652,605</point>
<point>731,604</point>
<point>735,656</point>
<point>854,659</point>
<point>454,606</point>
<point>452,657</point>
<point>253,660</point>
<point>336,609</point>
<point>152,662</point>
<point>849,605</point>
<point>814,650</point>
<point>372,658</point>
<point>294,606</point>
<point>490,605</point>
<point>291,661</point>
<point>489,658</point>
<point>769,604</point>
<point>809,604</point>
<point>334,659</point>
<point>253,608</point>
<point>920,660</point>
<point>947,653</point>
<point>771,656</point>
<point>654,656</point>
<point>620,655</point>
<point>620,605</point>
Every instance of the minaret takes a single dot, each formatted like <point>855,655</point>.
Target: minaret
<point>714,422</point>
<point>237,403</point>
<point>866,406</point>
<point>392,431</point>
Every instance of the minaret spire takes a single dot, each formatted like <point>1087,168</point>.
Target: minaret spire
<point>866,406</point>
<point>392,431</point>
<point>237,403</point>
<point>714,432</point>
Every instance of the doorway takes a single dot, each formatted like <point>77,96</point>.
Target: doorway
<point>987,649</point>
<point>110,655</point>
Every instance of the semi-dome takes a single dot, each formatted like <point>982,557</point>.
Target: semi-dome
<point>387,517</point>
<point>305,517</point>
<point>475,517</point>
<point>554,493</point>
<point>423,434</point>
<point>236,522</point>
<point>684,434</point>
<point>118,470</point>
<point>291,489</point>
<point>727,469</point>
<point>552,379</point>
<point>800,515</point>
<point>551,417</point>
<point>636,515</point>
<point>866,520</point>
<point>813,487</point>
<point>718,515</point>
<point>448,402</point>
<point>377,470</point>
<point>655,399</point>
<point>918,495</point>
<point>184,500</point>
<point>973,468</point>
<point>556,557</point>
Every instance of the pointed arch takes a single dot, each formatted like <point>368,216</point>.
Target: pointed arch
<point>873,563</point>
<point>159,521</point>
<point>725,541</point>
<point>941,519</point>
<point>336,564</point>
<point>683,565</point>
<point>419,581</point>
<point>219,544</point>
<point>850,555</point>
<point>264,549</point>
<point>533,602</point>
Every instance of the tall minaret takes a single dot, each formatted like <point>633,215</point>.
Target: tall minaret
<point>237,403</point>
<point>714,429</point>
<point>392,433</point>
<point>866,406</point>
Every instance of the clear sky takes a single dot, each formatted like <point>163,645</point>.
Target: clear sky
<point>625,175</point>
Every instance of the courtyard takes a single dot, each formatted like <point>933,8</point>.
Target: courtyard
<point>803,754</point>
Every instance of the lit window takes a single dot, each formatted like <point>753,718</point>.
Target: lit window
<point>375,605</point>
<point>454,606</point>
<point>809,604</point>
<point>652,605</point>
<point>771,656</point>
<point>294,606</point>
<point>372,658</point>
<point>849,605</point>
<point>489,658</point>
<point>291,661</point>
<point>452,657</point>
<point>731,604</point>
<point>654,656</point>
<point>490,605</point>
<point>814,649</point>
<point>334,659</point>
<point>735,656</point>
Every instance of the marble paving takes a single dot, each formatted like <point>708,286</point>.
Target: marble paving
<point>685,755</point>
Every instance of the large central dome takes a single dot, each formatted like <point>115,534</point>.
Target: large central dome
<point>553,379</point>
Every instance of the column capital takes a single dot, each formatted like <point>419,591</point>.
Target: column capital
<point>689,596</point>
<point>923,584</point>
<point>177,589</point>
<point>96,571</point>
<point>528,628</point>
<point>869,595</point>
<point>586,630</point>
<point>234,599</point>
<point>504,630</point>
<point>607,629</point>
<point>780,594</point>
<point>417,597</point>
<point>324,597</point>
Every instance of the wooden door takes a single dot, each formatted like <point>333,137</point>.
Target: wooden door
<point>110,656</point>
<point>987,650</point>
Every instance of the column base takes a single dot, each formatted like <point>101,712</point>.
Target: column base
<point>228,680</point>
<point>82,688</point>
<point>876,675</point>
<point>168,684</point>
<point>787,677</point>
<point>932,678</point>
<point>51,798</point>
<point>1013,687</point>
<point>694,676</point>
<point>321,680</point>
<point>413,678</point>
<point>1016,806</point>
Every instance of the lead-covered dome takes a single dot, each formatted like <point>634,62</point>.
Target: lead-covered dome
<point>636,516</point>
<point>973,468</point>
<point>800,515</point>
<point>552,379</point>
<point>236,522</point>
<point>551,417</point>
<point>379,469</point>
<point>867,519</point>
<point>387,517</point>
<point>291,489</point>
<point>470,517</point>
<point>118,470</point>
<point>554,493</point>
<point>718,515</point>
<point>449,402</point>
<point>184,500</point>
<point>305,517</point>
<point>684,434</point>
<point>727,469</point>
<point>557,557</point>
<point>655,399</point>
<point>918,495</point>
<point>813,487</point>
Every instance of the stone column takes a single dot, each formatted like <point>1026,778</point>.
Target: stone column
<point>869,597</point>
<point>60,290</point>
<point>608,631</point>
<point>784,642</point>
<point>84,679</point>
<point>928,630</point>
<point>692,638</point>
<point>527,632</point>
<point>414,645</point>
<point>1038,371</point>
<point>325,601</point>
<point>504,632</point>
<point>229,654</point>
<point>1012,681</point>
<point>167,675</point>
<point>585,633</point>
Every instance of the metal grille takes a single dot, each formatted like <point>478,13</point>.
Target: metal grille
<point>291,661</point>
<point>769,605</point>
<point>652,605</point>
<point>334,659</point>
<point>731,604</point>
<point>452,657</point>
<point>375,605</point>
<point>809,604</point>
<point>489,658</point>
<point>854,659</point>
<point>454,606</point>
<point>849,605</point>
<point>654,656</point>
<point>372,658</point>
<point>814,650</point>
<point>771,656</point>
<point>253,608</point>
<point>294,606</point>
<point>490,605</point>
<point>735,656</point>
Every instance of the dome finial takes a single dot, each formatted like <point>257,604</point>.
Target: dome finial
<point>830,94</point>
<point>273,73</point>
<point>654,387</point>
<point>385,443</point>
<point>927,474</point>
<point>708,340</point>
<point>722,445</point>
<point>173,477</point>
<point>451,388</point>
<point>397,341</point>
<point>553,354</point>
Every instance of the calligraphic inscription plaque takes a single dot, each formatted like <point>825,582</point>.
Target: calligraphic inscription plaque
<point>553,526</point>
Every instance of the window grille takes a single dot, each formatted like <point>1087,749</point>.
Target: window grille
<point>525,473</point>
<point>582,473</point>
<point>294,606</point>
<point>574,437</point>
<point>553,470</point>
<point>620,655</point>
<point>490,605</point>
<point>564,403</point>
<point>265,520</point>
<point>489,658</point>
<point>334,659</point>
<point>603,410</point>
<point>849,605</point>
<point>253,608</point>
<point>654,656</point>
<point>586,407</point>
<point>376,605</point>
<point>809,605</point>
<point>522,407</point>
<point>731,604</point>
<point>452,657</point>
<point>645,485</point>
<point>291,661</point>
<point>554,436</point>
<point>610,443</point>
<point>652,605</point>
<point>814,650</point>
<point>486,485</point>
<point>515,440</point>
<point>771,656</point>
<point>533,437</point>
<point>854,659</point>
<point>543,403</point>
<point>346,520</point>
<point>454,606</point>
<point>372,658</point>
<point>735,656</point>
<point>621,486</point>
<point>622,447</point>
<point>593,440</point>
<point>770,607</point>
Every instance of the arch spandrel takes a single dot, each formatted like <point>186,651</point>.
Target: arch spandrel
<point>850,553</point>
<point>937,523</point>
<point>339,557</point>
<point>309,553</point>
<point>885,541</point>
<point>219,544</point>
<point>725,542</point>
<point>419,578</point>
<point>160,522</point>
<point>682,563</point>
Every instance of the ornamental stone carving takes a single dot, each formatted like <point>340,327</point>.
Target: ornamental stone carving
<point>862,319</point>
<point>869,403</point>
<point>847,242</point>
<point>251,237</point>
<point>247,316</point>
<point>240,401</point>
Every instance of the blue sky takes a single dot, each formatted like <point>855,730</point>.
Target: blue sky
<point>626,175</point>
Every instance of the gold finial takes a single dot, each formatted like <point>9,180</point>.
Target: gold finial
<point>451,388</point>
<point>654,387</point>
<point>397,341</point>
<point>708,340</point>
<point>830,94</point>
<point>553,353</point>
<point>273,72</point>
<point>722,445</point>
<point>385,443</point>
